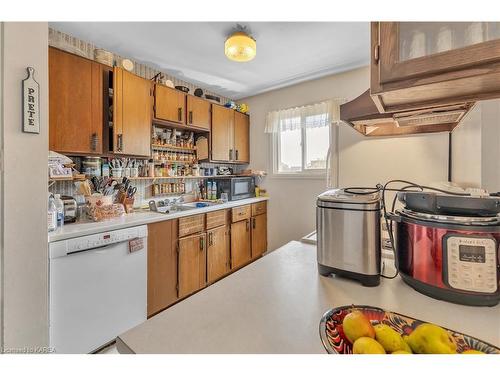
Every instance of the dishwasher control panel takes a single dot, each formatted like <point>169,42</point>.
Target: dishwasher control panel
<point>73,245</point>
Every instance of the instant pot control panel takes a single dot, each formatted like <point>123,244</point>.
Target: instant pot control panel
<point>471,263</point>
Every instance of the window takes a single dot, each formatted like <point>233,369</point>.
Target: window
<point>301,139</point>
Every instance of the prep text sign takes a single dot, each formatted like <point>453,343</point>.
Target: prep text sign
<point>31,103</point>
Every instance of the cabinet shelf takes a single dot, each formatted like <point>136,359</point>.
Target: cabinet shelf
<point>175,125</point>
<point>174,148</point>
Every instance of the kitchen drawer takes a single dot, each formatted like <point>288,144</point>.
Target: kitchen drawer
<point>216,219</point>
<point>259,208</point>
<point>191,224</point>
<point>241,213</point>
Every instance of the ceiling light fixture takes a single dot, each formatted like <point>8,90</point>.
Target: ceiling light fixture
<point>240,46</point>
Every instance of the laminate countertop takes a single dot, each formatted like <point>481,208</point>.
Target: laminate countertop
<point>274,305</point>
<point>137,218</point>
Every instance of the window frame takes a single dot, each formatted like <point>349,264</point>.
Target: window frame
<point>304,173</point>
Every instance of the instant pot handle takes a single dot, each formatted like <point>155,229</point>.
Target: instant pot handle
<point>393,217</point>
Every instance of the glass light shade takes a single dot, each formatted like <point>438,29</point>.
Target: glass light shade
<point>240,47</point>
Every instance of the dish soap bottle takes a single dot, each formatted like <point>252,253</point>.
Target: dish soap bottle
<point>51,215</point>
<point>60,209</point>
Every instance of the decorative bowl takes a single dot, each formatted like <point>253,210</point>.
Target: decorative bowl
<point>335,342</point>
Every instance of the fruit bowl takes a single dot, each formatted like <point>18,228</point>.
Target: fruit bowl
<point>335,342</point>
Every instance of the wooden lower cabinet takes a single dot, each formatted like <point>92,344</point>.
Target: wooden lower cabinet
<point>218,256</point>
<point>240,243</point>
<point>259,235</point>
<point>162,265</point>
<point>192,271</point>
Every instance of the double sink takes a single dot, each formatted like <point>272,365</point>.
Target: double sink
<point>162,208</point>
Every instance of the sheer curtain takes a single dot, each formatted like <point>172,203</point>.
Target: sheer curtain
<point>310,116</point>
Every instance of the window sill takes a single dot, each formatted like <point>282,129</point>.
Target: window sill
<point>298,176</point>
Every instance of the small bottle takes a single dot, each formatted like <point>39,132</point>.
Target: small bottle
<point>151,168</point>
<point>105,170</point>
<point>51,215</point>
<point>60,210</point>
<point>214,190</point>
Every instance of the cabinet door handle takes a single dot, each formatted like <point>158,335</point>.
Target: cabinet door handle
<point>253,222</point>
<point>236,154</point>
<point>231,154</point>
<point>247,225</point>
<point>202,243</point>
<point>376,53</point>
<point>119,142</point>
<point>179,114</point>
<point>190,117</point>
<point>94,140</point>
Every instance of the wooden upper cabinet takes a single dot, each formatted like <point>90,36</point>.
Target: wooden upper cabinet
<point>241,252</point>
<point>75,104</point>
<point>162,265</point>
<point>241,137</point>
<point>192,264</point>
<point>222,133</point>
<point>170,104</point>
<point>259,235</point>
<point>422,64</point>
<point>198,112</point>
<point>132,113</point>
<point>217,253</point>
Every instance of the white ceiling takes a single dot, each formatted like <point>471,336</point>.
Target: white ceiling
<point>287,52</point>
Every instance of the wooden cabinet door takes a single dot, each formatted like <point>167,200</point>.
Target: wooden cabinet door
<point>217,253</point>
<point>259,235</point>
<point>192,264</point>
<point>222,133</point>
<point>241,137</point>
<point>132,107</point>
<point>417,49</point>
<point>75,104</point>
<point>170,104</point>
<point>198,112</point>
<point>240,243</point>
<point>162,265</point>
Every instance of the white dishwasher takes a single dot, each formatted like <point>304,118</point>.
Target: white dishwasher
<point>98,288</point>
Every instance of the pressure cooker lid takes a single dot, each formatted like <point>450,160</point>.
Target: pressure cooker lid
<point>351,196</point>
<point>450,219</point>
<point>445,204</point>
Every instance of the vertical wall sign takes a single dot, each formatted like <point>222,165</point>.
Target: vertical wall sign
<point>31,103</point>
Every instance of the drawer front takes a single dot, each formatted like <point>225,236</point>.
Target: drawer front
<point>216,219</point>
<point>259,208</point>
<point>191,224</point>
<point>241,213</point>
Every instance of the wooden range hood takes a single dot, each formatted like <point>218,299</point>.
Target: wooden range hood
<point>363,115</point>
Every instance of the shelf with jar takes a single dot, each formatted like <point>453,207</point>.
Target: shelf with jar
<point>168,147</point>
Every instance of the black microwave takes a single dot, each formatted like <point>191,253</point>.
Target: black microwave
<point>235,187</point>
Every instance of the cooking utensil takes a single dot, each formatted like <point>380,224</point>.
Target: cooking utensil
<point>131,191</point>
<point>182,88</point>
<point>212,97</point>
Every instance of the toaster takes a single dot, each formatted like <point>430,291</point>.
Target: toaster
<point>348,234</point>
<point>70,209</point>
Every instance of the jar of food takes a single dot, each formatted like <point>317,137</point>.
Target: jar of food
<point>92,166</point>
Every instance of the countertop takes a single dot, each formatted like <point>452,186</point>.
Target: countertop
<point>136,218</point>
<point>274,305</point>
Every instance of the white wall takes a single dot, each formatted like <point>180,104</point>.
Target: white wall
<point>476,148</point>
<point>24,215</point>
<point>363,161</point>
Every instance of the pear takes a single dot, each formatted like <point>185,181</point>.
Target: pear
<point>472,351</point>
<point>428,338</point>
<point>391,340</point>
<point>356,325</point>
<point>367,345</point>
